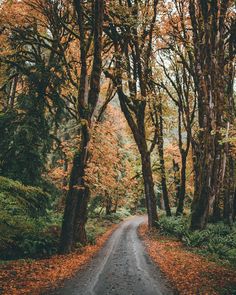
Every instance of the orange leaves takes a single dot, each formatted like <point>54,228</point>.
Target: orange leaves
<point>36,276</point>
<point>106,169</point>
<point>188,272</point>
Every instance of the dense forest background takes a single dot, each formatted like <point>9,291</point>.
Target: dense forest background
<point>113,108</point>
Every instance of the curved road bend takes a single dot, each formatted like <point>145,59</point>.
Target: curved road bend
<point>121,267</point>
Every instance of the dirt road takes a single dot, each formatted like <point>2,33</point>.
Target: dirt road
<point>122,267</point>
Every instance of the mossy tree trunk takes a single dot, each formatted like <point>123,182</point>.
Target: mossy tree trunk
<point>75,214</point>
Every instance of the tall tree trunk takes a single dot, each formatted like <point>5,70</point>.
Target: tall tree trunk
<point>163,178</point>
<point>149,188</point>
<point>108,203</point>
<point>184,154</point>
<point>182,189</point>
<point>140,139</point>
<point>132,58</point>
<point>83,192</point>
<point>176,181</point>
<point>67,231</point>
<point>81,216</point>
<point>216,214</point>
<point>75,214</point>
<point>160,201</point>
<point>229,198</point>
<point>210,26</point>
<point>207,188</point>
<point>234,206</point>
<point>160,147</point>
<point>77,199</point>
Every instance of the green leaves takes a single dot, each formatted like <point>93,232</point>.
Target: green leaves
<point>217,240</point>
<point>24,221</point>
<point>25,141</point>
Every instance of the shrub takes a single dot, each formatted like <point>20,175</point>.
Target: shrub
<point>119,215</point>
<point>16,197</point>
<point>94,228</point>
<point>25,222</point>
<point>218,240</point>
<point>175,226</point>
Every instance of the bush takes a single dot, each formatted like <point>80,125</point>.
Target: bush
<point>176,226</point>
<point>27,229</point>
<point>119,215</point>
<point>94,228</point>
<point>16,198</point>
<point>217,240</point>
<point>141,211</point>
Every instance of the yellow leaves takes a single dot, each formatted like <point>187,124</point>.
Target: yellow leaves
<point>105,164</point>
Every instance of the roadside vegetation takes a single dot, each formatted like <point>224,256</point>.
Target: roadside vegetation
<point>30,226</point>
<point>217,241</point>
<point>188,270</point>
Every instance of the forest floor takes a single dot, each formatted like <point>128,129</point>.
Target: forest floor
<point>189,273</point>
<point>35,276</point>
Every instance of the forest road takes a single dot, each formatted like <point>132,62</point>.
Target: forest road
<point>122,267</point>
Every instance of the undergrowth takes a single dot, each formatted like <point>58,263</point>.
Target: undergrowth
<point>30,226</point>
<point>217,241</point>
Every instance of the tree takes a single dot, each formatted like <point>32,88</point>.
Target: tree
<point>176,61</point>
<point>132,50</point>
<point>156,114</point>
<point>33,59</point>
<point>75,214</point>
<point>179,87</point>
<point>209,24</point>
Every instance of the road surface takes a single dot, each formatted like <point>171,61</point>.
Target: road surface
<point>121,267</point>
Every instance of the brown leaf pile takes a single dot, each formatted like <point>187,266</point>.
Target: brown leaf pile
<point>33,277</point>
<point>189,273</point>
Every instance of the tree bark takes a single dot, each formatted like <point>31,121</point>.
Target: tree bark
<point>163,178</point>
<point>81,217</point>
<point>149,189</point>
<point>182,188</point>
<point>12,93</point>
<point>160,147</point>
<point>234,206</point>
<point>204,193</point>
<point>67,231</point>
<point>210,26</point>
<point>216,211</point>
<point>108,205</point>
<point>229,198</point>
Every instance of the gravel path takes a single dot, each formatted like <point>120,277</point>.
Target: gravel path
<point>121,267</point>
